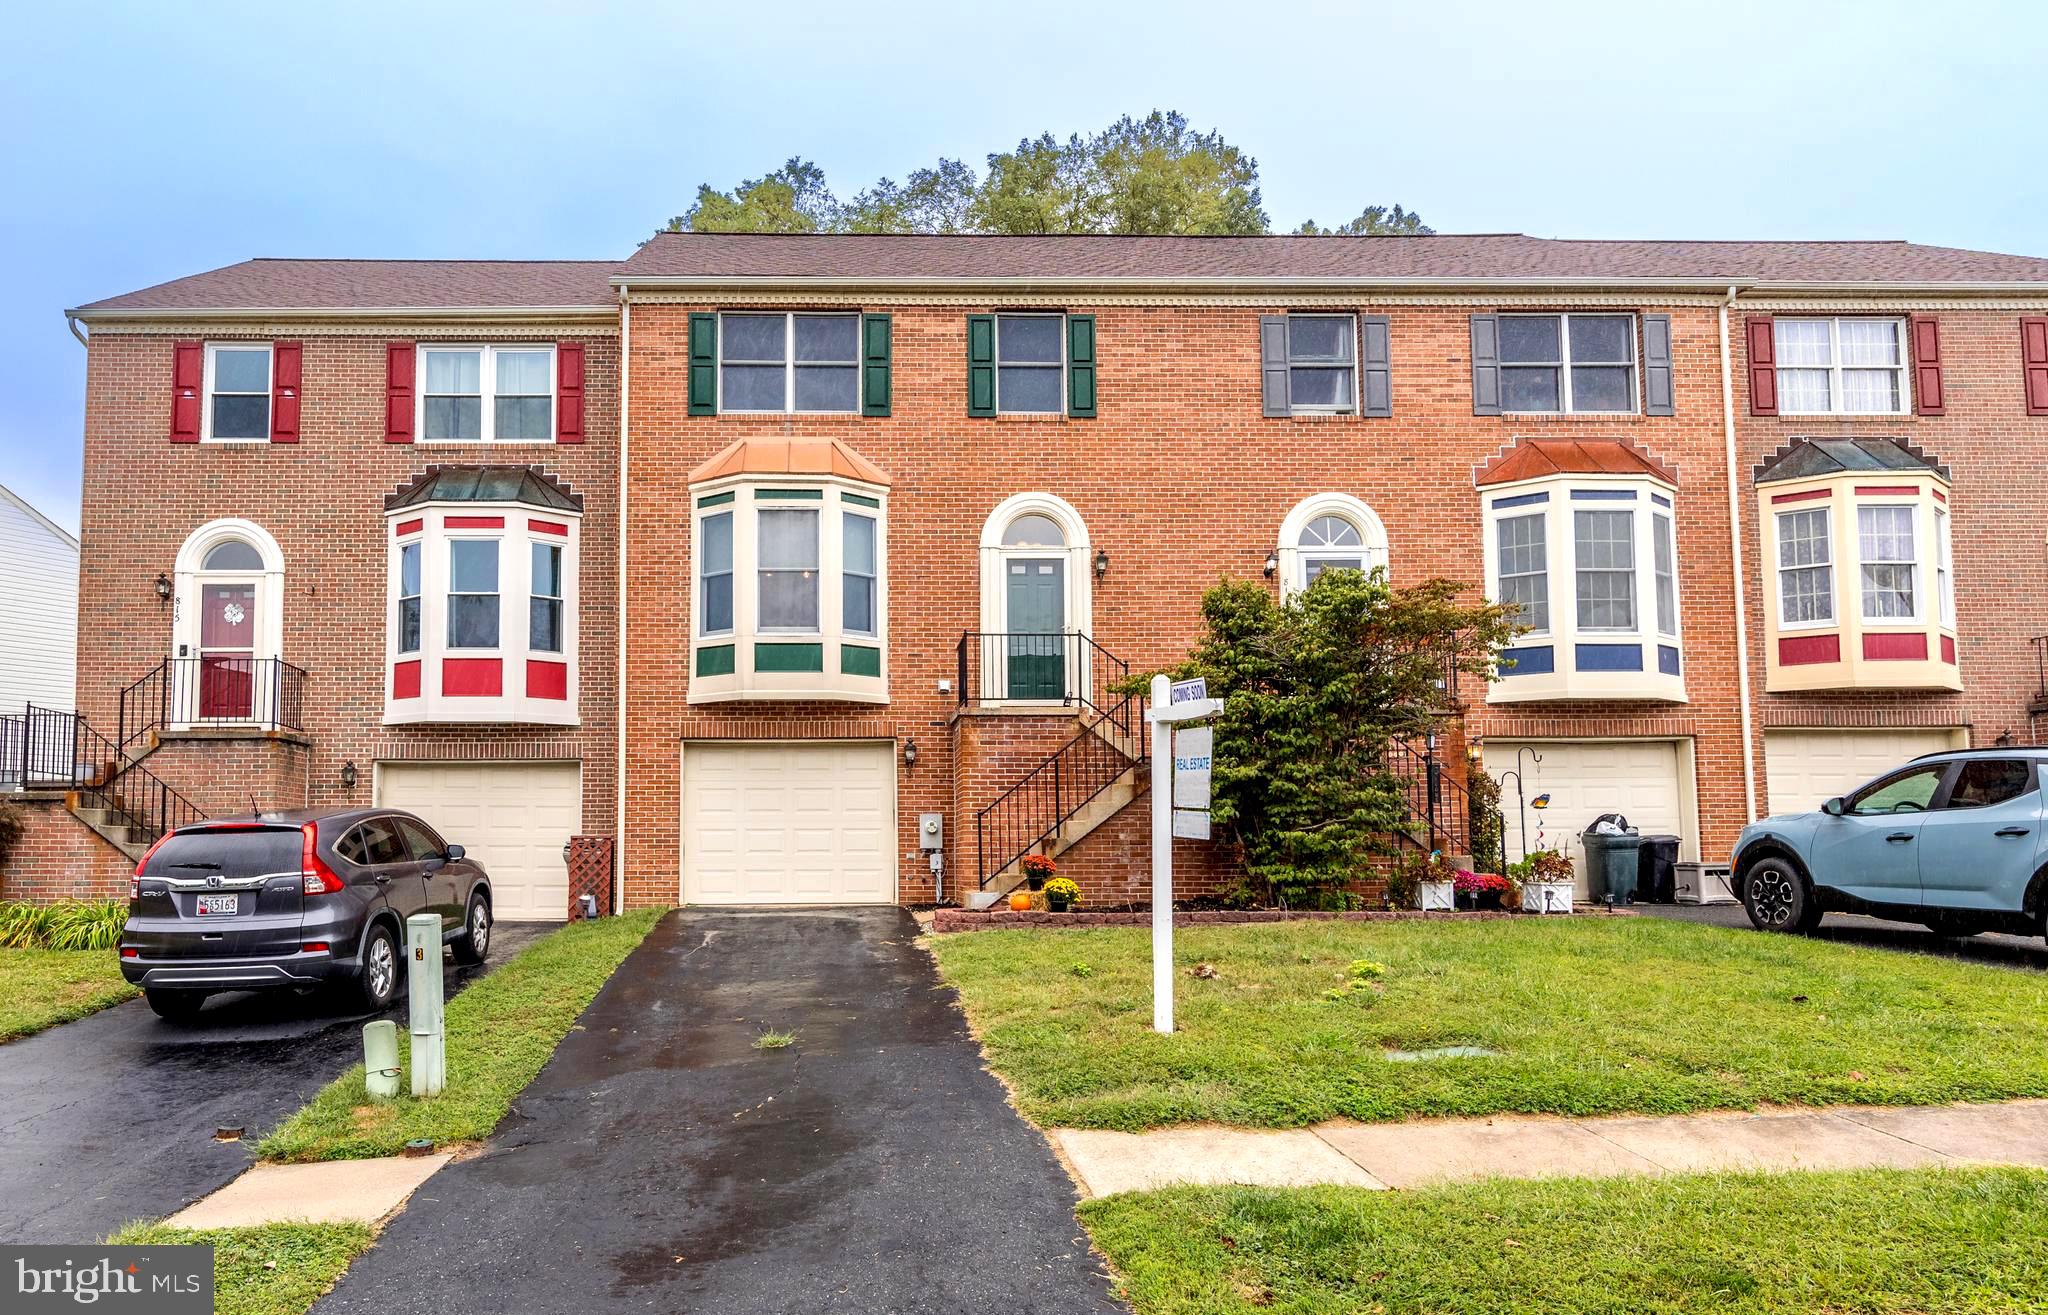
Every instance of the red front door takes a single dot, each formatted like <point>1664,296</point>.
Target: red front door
<point>227,652</point>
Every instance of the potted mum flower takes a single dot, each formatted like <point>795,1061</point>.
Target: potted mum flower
<point>1038,868</point>
<point>1061,894</point>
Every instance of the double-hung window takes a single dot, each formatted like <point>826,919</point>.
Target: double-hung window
<point>487,394</point>
<point>858,574</point>
<point>1606,552</point>
<point>715,572</point>
<point>544,607</point>
<point>789,363</point>
<point>789,569</point>
<point>1885,533</point>
<point>409,597</point>
<point>1944,574</point>
<point>1031,374</point>
<point>1806,573</point>
<point>238,391</point>
<point>1322,363</point>
<point>473,593</point>
<point>1524,569</point>
<point>1665,565</point>
<point>1841,366</point>
<point>1569,363</point>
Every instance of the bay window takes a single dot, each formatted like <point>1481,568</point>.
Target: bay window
<point>544,603</point>
<point>789,569</point>
<point>1666,566</point>
<point>859,574</point>
<point>1806,573</point>
<point>714,556</point>
<point>1885,533</point>
<point>1841,366</point>
<point>1606,556</point>
<point>1944,578</point>
<point>409,597</point>
<point>1524,569</point>
<point>481,394</point>
<point>473,593</point>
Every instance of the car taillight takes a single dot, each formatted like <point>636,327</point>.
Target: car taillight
<point>316,877</point>
<point>135,881</point>
<point>131,953</point>
<point>314,947</point>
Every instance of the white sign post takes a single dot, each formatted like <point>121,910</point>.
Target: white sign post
<point>1173,702</point>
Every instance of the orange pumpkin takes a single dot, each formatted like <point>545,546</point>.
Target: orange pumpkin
<point>1020,901</point>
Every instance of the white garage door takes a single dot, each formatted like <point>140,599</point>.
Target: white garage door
<point>789,823</point>
<point>513,818</point>
<point>1805,768</point>
<point>1637,778</point>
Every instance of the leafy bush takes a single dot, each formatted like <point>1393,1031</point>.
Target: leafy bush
<point>13,824</point>
<point>70,925</point>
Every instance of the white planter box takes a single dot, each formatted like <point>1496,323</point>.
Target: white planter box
<point>1438,897</point>
<point>1548,896</point>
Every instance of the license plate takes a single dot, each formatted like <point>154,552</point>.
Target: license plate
<point>212,904</point>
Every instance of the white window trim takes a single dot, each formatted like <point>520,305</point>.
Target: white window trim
<point>1644,626</point>
<point>1294,558</point>
<point>1060,365</point>
<point>1944,567</point>
<point>789,362</point>
<point>515,582</point>
<point>487,383</point>
<point>413,539</point>
<point>1493,521</point>
<point>1670,520</point>
<point>1916,564</point>
<point>1564,363</point>
<point>533,595</point>
<point>269,394</point>
<point>1834,619</point>
<point>1835,367</point>
<point>1355,367</point>
<point>701,515</point>
<point>873,517</point>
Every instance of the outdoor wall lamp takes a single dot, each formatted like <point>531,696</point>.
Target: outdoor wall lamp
<point>2007,739</point>
<point>348,775</point>
<point>909,753</point>
<point>1272,564</point>
<point>1101,562</point>
<point>163,587</point>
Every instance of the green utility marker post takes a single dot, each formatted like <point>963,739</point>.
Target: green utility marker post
<point>429,1039</point>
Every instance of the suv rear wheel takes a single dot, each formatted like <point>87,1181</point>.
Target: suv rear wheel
<point>377,986</point>
<point>1777,898</point>
<point>176,1006</point>
<point>475,941</point>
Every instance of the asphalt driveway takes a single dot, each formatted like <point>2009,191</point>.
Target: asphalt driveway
<point>663,1163</point>
<point>110,1119</point>
<point>1856,929</point>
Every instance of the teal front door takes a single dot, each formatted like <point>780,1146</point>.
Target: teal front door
<point>1036,646</point>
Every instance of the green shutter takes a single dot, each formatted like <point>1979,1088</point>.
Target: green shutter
<point>1081,366</point>
<point>874,365</point>
<point>981,365</point>
<point>703,364</point>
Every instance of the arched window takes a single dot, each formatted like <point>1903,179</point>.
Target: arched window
<point>1329,532</point>
<point>1037,601</point>
<point>232,555</point>
<point>227,630</point>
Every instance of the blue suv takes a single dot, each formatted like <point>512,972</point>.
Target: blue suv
<point>1955,841</point>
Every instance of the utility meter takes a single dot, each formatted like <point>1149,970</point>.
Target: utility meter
<point>931,831</point>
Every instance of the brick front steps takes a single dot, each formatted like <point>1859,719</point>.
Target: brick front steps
<point>950,920</point>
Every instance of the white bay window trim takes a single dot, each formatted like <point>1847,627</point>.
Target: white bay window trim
<point>488,392</point>
<point>1805,558</point>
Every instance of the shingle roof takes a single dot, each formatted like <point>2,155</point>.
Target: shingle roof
<point>781,456</point>
<point>485,484</point>
<point>1804,458</point>
<point>1474,256</point>
<point>1534,458</point>
<point>279,284</point>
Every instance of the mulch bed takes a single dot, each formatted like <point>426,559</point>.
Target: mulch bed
<point>951,920</point>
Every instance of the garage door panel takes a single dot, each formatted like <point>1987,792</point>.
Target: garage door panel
<point>1639,779</point>
<point>513,818</point>
<point>788,823</point>
<point>1804,768</point>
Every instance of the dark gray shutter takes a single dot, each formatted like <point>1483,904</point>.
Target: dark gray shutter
<point>1375,373</point>
<point>1657,397</point>
<point>1273,364</point>
<point>1486,365</point>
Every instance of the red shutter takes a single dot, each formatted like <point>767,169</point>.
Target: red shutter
<point>399,360</point>
<point>2034,362</point>
<point>569,392</point>
<point>1763,366</point>
<point>1928,398</point>
<point>284,392</point>
<point>188,368</point>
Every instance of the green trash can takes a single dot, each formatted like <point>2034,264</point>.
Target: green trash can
<point>1611,865</point>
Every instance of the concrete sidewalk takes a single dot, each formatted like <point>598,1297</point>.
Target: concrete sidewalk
<point>1435,1151</point>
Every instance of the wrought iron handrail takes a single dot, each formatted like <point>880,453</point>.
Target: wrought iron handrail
<point>1063,667</point>
<point>1032,811</point>
<point>1433,801</point>
<point>211,690</point>
<point>48,749</point>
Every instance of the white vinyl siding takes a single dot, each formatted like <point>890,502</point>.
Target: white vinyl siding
<point>38,609</point>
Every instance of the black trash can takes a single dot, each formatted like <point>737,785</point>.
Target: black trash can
<point>1611,864</point>
<point>1657,870</point>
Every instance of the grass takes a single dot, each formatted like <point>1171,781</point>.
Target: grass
<point>1923,1240</point>
<point>501,1031</point>
<point>42,988</point>
<point>770,1039</point>
<point>1590,1015</point>
<point>277,1269</point>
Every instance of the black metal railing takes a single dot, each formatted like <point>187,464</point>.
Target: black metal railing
<point>184,692</point>
<point>1053,667</point>
<point>45,749</point>
<point>2039,703</point>
<point>1439,809</point>
<point>39,749</point>
<point>1031,812</point>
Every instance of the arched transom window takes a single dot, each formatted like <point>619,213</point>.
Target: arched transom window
<point>1329,532</point>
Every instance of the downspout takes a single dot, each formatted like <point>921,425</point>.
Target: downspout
<point>1735,558</point>
<point>619,703</point>
<point>71,323</point>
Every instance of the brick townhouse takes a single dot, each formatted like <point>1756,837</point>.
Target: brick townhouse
<point>898,512</point>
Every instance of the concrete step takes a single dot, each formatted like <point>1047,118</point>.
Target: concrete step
<point>1113,799</point>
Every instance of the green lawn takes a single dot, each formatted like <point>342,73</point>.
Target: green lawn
<point>1923,1240</point>
<point>501,1031</point>
<point>1590,1015</point>
<point>278,1269</point>
<point>42,988</point>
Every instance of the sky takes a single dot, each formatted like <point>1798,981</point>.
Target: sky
<point>149,141</point>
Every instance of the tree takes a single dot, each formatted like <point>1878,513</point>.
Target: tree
<point>1373,221</point>
<point>1315,689</point>
<point>1149,175</point>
